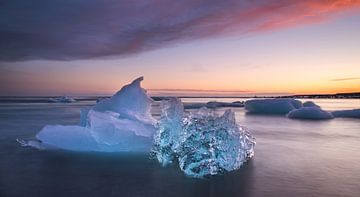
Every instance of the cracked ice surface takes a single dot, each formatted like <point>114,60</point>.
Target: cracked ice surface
<point>203,142</point>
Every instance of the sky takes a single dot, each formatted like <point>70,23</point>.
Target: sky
<point>188,47</point>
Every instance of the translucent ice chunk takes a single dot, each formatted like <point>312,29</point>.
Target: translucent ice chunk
<point>203,142</point>
<point>167,137</point>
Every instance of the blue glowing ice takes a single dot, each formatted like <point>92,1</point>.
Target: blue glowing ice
<point>203,142</point>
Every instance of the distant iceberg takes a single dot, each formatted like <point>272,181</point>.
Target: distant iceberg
<point>295,109</point>
<point>63,99</point>
<point>272,106</point>
<point>202,142</point>
<point>311,113</point>
<point>353,113</point>
<point>216,104</point>
<point>120,123</point>
<point>213,105</point>
<point>310,104</point>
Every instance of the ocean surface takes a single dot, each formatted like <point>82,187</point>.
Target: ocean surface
<point>292,158</point>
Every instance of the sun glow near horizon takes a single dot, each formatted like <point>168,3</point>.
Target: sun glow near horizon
<point>320,57</point>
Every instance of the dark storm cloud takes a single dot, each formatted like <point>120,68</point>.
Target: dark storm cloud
<point>81,29</point>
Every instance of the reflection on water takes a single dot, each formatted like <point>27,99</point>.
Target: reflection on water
<point>292,158</point>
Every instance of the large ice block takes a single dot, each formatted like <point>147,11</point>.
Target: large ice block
<point>120,123</point>
<point>203,142</point>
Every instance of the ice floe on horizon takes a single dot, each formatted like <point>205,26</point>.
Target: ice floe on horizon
<point>295,109</point>
<point>311,113</point>
<point>213,105</point>
<point>352,113</point>
<point>272,106</point>
<point>63,99</point>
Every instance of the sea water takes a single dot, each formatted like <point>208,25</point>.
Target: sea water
<point>292,158</point>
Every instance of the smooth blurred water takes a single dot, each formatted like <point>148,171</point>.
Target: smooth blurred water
<point>292,158</point>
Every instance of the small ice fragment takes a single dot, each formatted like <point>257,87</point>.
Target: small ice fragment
<point>31,143</point>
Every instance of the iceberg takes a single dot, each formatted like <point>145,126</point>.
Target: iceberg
<point>272,106</point>
<point>63,99</point>
<point>120,123</point>
<point>310,104</point>
<point>352,113</point>
<point>194,105</point>
<point>202,142</point>
<point>213,105</point>
<point>294,109</point>
<point>216,104</point>
<point>312,113</point>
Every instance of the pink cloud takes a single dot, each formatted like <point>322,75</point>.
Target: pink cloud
<point>84,29</point>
